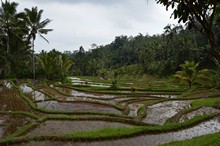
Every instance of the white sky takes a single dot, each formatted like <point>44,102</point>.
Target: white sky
<point>84,22</point>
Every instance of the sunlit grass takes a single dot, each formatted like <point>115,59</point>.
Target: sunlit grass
<point>205,102</point>
<point>206,140</point>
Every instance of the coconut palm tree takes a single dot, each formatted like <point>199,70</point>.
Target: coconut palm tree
<point>64,65</point>
<point>7,20</point>
<point>54,64</point>
<point>36,26</point>
<point>11,23</point>
<point>189,72</point>
<point>12,35</point>
<point>47,62</point>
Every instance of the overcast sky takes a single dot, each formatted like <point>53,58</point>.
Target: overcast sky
<point>84,22</point>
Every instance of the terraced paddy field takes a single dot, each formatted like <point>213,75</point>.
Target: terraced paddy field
<point>35,113</point>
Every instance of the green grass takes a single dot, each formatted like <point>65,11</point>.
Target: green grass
<point>205,102</point>
<point>200,92</point>
<point>94,79</point>
<point>142,82</point>
<point>145,84</point>
<point>106,133</point>
<point>119,90</point>
<point>32,115</point>
<point>19,132</point>
<point>127,132</point>
<point>206,140</point>
<point>175,118</point>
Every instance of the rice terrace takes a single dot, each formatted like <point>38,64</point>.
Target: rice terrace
<point>85,113</point>
<point>143,90</point>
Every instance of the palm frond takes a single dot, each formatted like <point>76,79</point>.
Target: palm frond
<point>44,38</point>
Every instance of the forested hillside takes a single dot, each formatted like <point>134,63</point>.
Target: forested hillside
<point>158,55</point>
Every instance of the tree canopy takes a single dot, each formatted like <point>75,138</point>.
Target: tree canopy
<point>200,14</point>
<point>158,55</point>
<point>18,32</point>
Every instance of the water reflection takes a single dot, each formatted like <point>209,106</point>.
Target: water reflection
<point>78,81</point>
<point>39,96</point>
<point>82,94</point>
<point>164,96</point>
<point>55,127</point>
<point>134,108</point>
<point>33,94</point>
<point>76,106</point>
<point>159,113</point>
<point>6,84</point>
<point>208,127</point>
<point>201,111</point>
<point>25,89</point>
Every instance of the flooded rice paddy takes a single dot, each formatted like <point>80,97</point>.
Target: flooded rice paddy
<point>11,123</point>
<point>134,109</point>
<point>201,111</point>
<point>159,113</point>
<point>208,127</point>
<point>78,81</point>
<point>75,93</point>
<point>76,106</point>
<point>33,94</point>
<point>51,128</point>
<point>117,111</point>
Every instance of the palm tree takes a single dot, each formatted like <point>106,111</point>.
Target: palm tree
<point>189,72</point>
<point>10,22</point>
<point>48,63</point>
<point>13,49</point>
<point>64,65</point>
<point>36,26</point>
<point>54,64</point>
<point>7,20</point>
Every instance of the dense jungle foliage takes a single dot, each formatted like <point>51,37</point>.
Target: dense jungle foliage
<point>158,55</point>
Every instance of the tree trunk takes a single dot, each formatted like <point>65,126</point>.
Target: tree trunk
<point>214,50</point>
<point>33,60</point>
<point>213,43</point>
<point>190,84</point>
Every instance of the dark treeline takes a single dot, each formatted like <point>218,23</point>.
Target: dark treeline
<point>158,55</point>
<point>18,32</point>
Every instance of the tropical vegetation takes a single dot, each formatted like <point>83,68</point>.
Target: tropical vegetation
<point>118,82</point>
<point>189,72</point>
<point>158,55</point>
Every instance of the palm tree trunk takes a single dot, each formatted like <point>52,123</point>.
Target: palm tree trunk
<point>33,60</point>
<point>8,45</point>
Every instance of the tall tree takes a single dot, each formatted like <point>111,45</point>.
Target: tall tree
<point>36,26</point>
<point>199,14</point>
<point>10,22</point>
<point>12,40</point>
